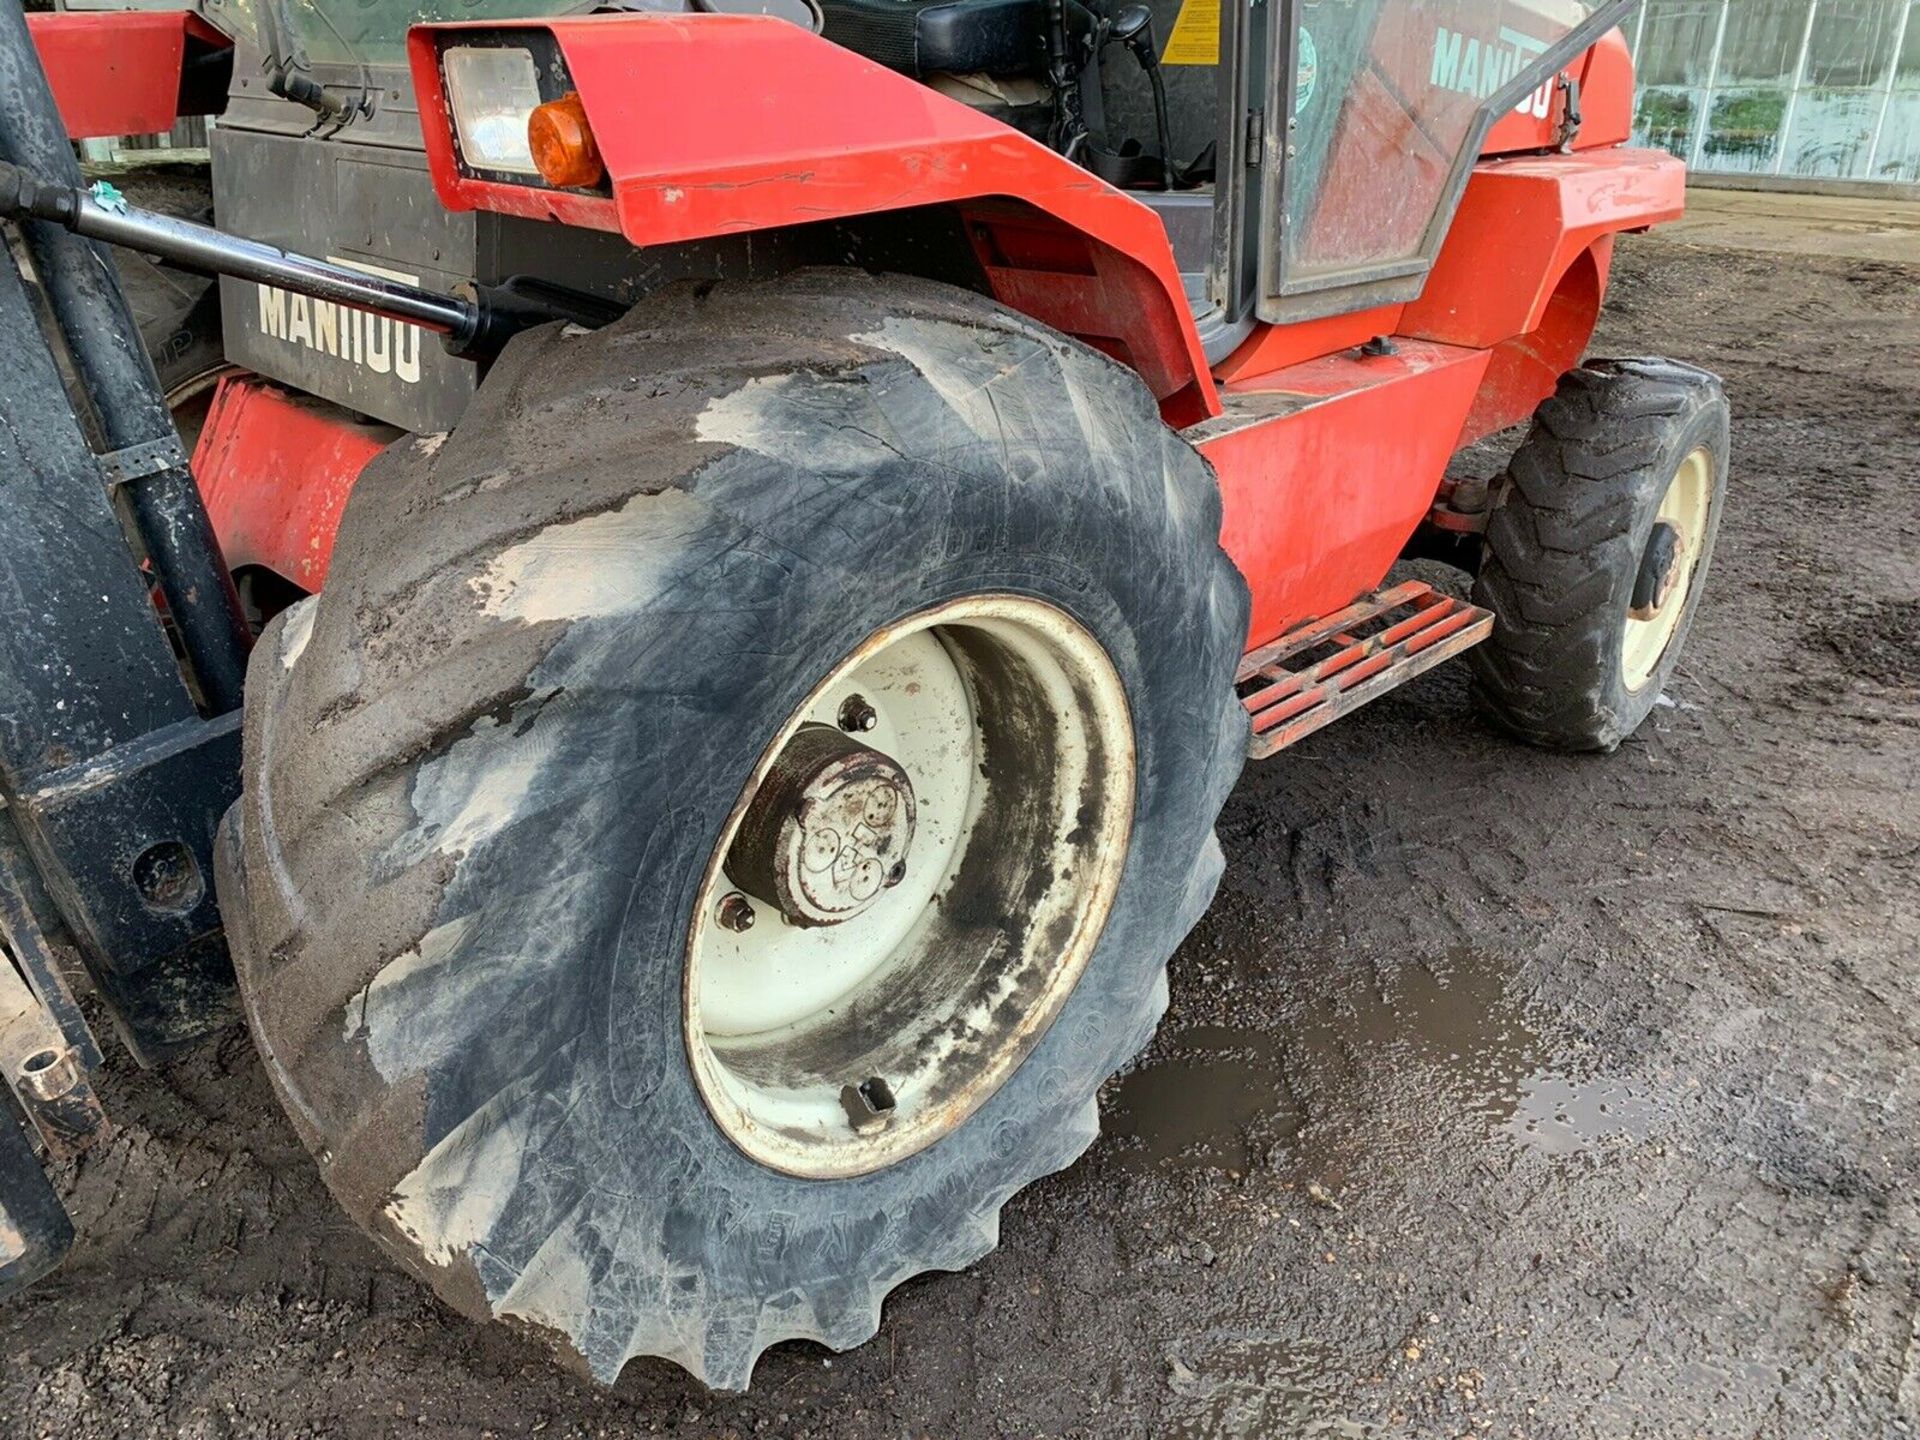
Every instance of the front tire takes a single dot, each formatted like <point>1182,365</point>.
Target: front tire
<point>494,769</point>
<point>1594,560</point>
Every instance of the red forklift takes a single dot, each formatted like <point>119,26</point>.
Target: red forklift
<point>673,625</point>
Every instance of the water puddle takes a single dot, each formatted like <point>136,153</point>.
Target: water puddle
<point>1218,1102</point>
<point>1564,1117</point>
<point>1439,1050</point>
<point>1264,1385</point>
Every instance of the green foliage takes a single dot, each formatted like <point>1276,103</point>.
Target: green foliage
<point>1665,118</point>
<point>1750,112</point>
<point>1664,110</point>
<point>1746,122</point>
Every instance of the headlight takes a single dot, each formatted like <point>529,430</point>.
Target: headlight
<point>492,90</point>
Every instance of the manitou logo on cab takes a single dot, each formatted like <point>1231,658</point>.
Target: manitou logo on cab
<point>1479,68</point>
<point>373,342</point>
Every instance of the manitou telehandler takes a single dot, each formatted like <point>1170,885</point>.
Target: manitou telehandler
<point>766,530</point>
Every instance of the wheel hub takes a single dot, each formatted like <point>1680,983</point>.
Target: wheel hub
<point>1664,577</point>
<point>828,830</point>
<point>942,824</point>
<point>1659,569</point>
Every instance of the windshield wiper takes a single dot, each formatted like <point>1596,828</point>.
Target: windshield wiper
<point>286,69</point>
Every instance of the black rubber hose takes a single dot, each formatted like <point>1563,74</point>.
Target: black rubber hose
<point>1161,124</point>
<point>83,292</point>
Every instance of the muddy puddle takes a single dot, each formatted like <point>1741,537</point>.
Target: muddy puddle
<point>1431,1049</point>
<point>1563,1116</point>
<point>1221,1101</point>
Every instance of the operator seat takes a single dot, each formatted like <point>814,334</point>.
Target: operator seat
<point>954,37</point>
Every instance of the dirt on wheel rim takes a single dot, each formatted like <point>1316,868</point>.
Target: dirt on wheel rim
<point>1502,1093</point>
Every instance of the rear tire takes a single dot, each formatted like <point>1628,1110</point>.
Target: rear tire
<point>1617,489</point>
<point>488,766</point>
<point>178,312</point>
<point>179,319</point>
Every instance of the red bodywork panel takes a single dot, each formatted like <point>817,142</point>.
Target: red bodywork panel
<point>1327,466</point>
<point>1321,500</point>
<point>716,124</point>
<point>1525,266</point>
<point>1520,225</point>
<point>1605,76</point>
<point>117,72</point>
<point>275,470</point>
<point>1327,460</point>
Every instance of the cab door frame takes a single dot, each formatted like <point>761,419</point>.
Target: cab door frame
<point>1267,118</point>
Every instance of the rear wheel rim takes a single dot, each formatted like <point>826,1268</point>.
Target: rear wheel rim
<point>189,400</point>
<point>834,1049</point>
<point>1647,632</point>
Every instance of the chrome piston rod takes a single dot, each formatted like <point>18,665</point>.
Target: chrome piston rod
<point>478,321</point>
<point>209,251</point>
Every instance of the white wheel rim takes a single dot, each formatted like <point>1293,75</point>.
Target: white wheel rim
<point>1646,634</point>
<point>1012,726</point>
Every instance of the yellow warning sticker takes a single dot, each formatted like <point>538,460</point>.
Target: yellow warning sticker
<point>1196,35</point>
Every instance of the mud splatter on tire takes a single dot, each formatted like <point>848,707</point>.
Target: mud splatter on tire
<point>486,766</point>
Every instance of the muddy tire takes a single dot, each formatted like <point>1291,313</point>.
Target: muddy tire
<point>1594,561</point>
<point>487,767</point>
<point>181,329</point>
<point>178,315</point>
<point>179,319</point>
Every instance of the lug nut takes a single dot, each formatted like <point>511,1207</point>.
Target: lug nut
<point>736,912</point>
<point>857,716</point>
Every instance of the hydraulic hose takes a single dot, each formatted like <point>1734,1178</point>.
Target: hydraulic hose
<point>83,293</point>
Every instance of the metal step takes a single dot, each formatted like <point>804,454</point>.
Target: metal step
<point>1319,671</point>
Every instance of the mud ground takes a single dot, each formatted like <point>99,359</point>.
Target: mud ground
<point>1503,1094</point>
<point>1825,225</point>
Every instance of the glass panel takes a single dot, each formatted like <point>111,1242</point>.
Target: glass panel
<point>1762,43</point>
<point>1897,156</point>
<point>1743,131</point>
<point>235,17</point>
<point>1833,133</point>
<point>374,32</point>
<point>1672,64</point>
<point>1852,43</point>
<point>1802,88</point>
<point>1385,97</point>
<point>1759,51</point>
<point>1665,120</point>
<point>1849,59</point>
<point>1676,42</point>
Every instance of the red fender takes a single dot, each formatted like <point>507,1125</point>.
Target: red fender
<point>1522,223</point>
<point>716,124</point>
<point>117,72</point>
<point>275,470</point>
